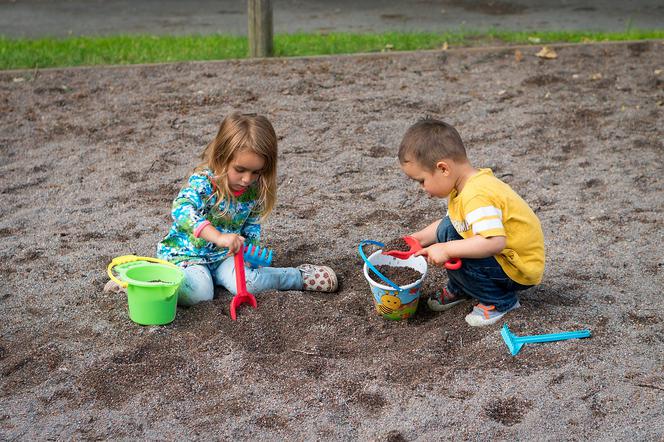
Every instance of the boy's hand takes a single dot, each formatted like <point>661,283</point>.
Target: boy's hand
<point>232,241</point>
<point>435,254</point>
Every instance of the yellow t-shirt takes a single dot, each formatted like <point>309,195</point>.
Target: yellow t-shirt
<point>489,207</point>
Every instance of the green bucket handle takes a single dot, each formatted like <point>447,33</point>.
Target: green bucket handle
<point>371,266</point>
<point>126,259</point>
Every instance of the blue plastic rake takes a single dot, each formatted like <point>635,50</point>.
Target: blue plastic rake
<point>514,343</point>
<point>258,256</point>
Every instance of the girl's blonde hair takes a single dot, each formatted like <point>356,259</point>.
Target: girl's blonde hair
<point>240,133</point>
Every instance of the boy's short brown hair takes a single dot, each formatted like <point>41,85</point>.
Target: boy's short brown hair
<point>429,141</point>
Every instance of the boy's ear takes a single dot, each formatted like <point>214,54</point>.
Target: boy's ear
<point>443,167</point>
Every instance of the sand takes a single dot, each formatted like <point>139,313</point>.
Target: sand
<point>90,160</point>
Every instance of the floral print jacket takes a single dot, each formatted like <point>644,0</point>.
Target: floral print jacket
<point>194,208</point>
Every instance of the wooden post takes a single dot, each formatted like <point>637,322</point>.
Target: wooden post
<point>260,28</point>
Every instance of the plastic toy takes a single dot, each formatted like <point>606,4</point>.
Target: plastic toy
<point>258,256</point>
<point>415,246</point>
<point>119,262</point>
<point>242,296</point>
<point>152,286</point>
<point>368,263</point>
<point>514,343</point>
<point>392,301</point>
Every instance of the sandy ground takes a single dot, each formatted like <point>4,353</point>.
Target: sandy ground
<point>91,159</point>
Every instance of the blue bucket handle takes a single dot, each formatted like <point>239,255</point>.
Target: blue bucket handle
<point>371,266</point>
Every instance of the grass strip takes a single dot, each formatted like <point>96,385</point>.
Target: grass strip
<point>133,49</point>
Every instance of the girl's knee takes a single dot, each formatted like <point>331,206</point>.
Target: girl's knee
<point>232,288</point>
<point>189,298</point>
<point>196,287</point>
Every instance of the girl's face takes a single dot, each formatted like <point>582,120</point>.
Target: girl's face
<point>244,170</point>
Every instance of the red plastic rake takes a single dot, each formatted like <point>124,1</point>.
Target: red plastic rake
<point>415,246</point>
<point>242,296</point>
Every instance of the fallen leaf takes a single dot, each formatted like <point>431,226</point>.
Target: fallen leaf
<point>518,55</point>
<point>658,71</point>
<point>596,76</point>
<point>445,46</point>
<point>18,79</point>
<point>534,39</point>
<point>547,53</point>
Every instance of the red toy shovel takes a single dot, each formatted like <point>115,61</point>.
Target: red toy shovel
<point>415,246</point>
<point>243,296</point>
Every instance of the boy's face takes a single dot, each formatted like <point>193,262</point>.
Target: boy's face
<point>438,183</point>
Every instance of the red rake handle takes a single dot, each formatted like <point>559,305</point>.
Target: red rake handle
<point>243,296</point>
<point>453,264</point>
<point>415,246</point>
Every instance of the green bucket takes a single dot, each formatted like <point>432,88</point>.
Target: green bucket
<point>152,289</point>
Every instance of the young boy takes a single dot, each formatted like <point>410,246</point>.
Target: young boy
<point>492,229</point>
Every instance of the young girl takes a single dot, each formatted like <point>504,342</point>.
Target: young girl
<point>220,209</point>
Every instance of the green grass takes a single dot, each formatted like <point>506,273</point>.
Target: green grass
<point>86,51</point>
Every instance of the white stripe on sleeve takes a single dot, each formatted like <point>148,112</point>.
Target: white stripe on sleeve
<point>487,224</point>
<point>483,212</point>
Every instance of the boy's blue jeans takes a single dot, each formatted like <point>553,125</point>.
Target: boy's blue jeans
<point>200,279</point>
<point>482,279</point>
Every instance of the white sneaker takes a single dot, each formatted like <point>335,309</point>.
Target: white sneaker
<point>486,314</point>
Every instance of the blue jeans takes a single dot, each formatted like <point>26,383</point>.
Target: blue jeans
<point>482,278</point>
<point>200,279</point>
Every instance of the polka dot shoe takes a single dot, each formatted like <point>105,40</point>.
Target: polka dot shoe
<point>318,278</point>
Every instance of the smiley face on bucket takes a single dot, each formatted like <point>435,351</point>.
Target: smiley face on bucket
<point>390,302</point>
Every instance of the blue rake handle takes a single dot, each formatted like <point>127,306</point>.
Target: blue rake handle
<point>514,342</point>
<point>371,266</point>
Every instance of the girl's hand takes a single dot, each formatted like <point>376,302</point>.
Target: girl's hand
<point>435,254</point>
<point>232,241</point>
